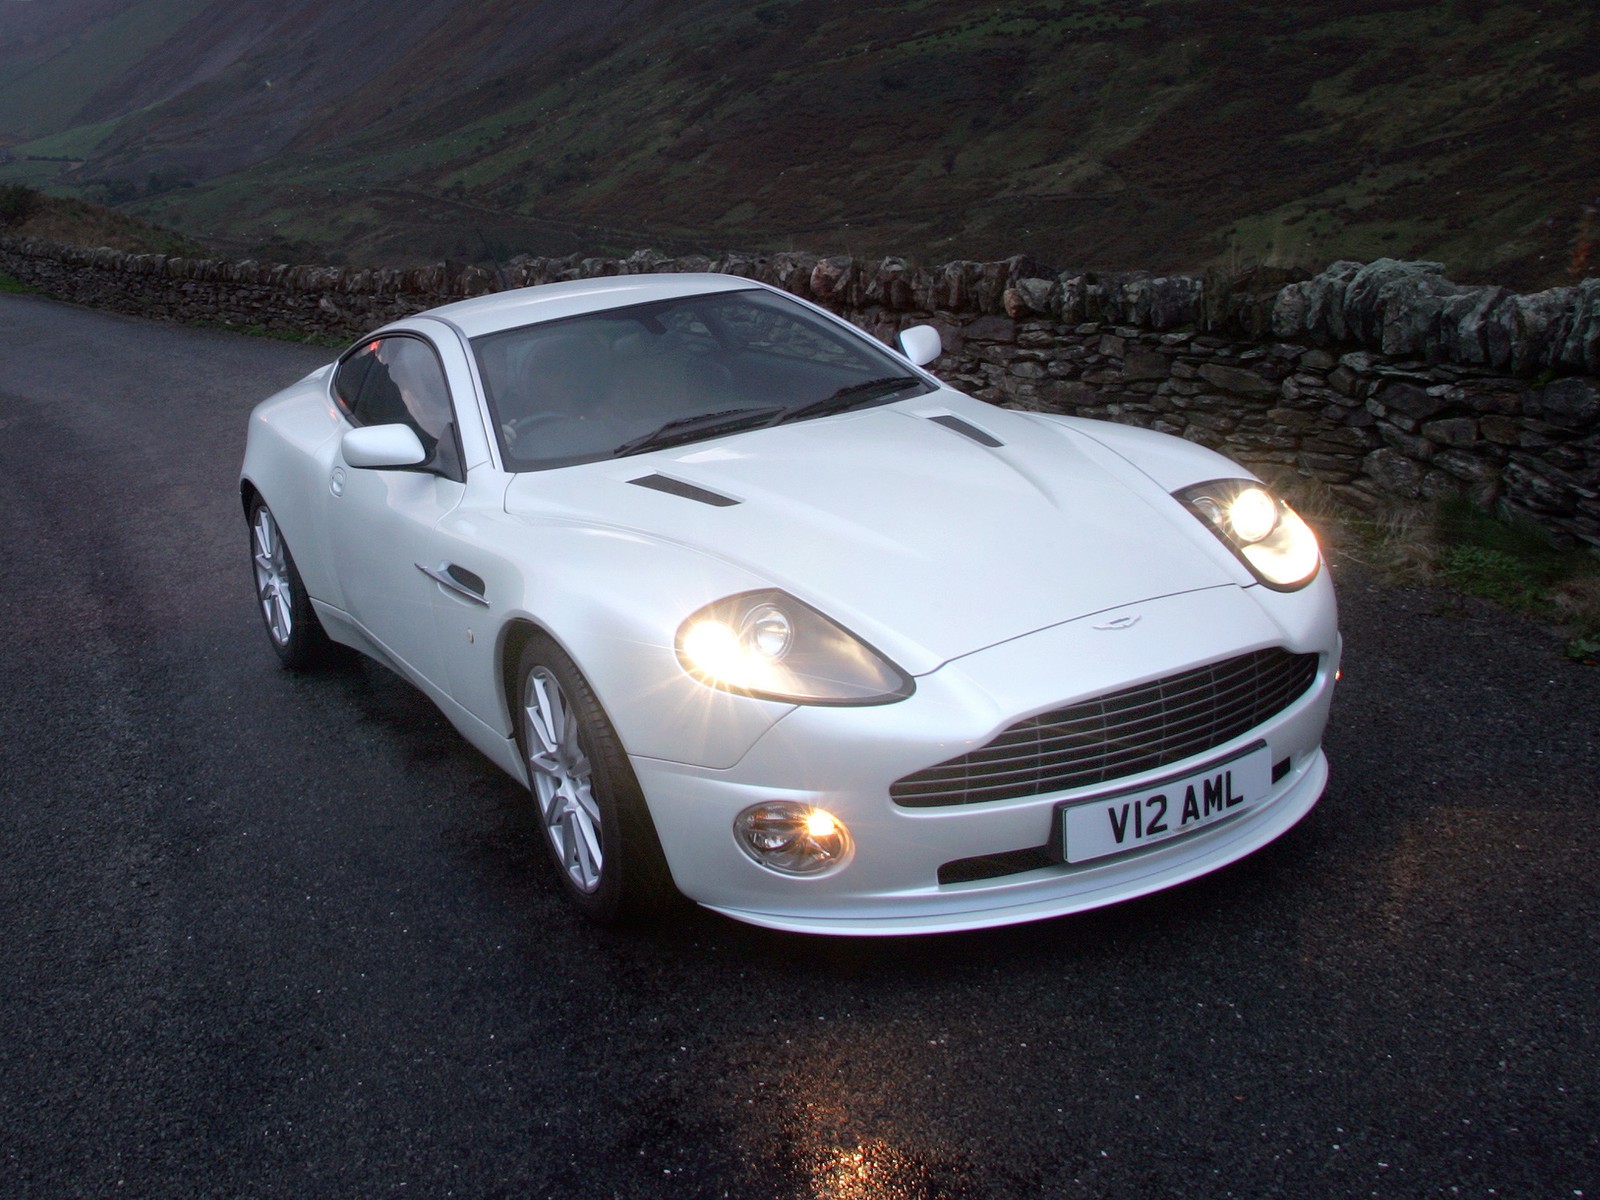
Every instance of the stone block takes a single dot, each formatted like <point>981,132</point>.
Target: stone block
<point>1410,400</point>
<point>1409,444</point>
<point>1398,420</point>
<point>991,329</point>
<point>1532,486</point>
<point>1346,382</point>
<point>1295,419</point>
<point>1341,439</point>
<point>1451,431</point>
<point>1141,364</point>
<point>1438,484</point>
<point>1393,472</point>
<point>1474,469</point>
<point>1238,380</point>
<point>1571,403</point>
<point>1330,468</point>
<point>1503,431</point>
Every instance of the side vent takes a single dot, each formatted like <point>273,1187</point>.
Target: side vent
<point>676,487</point>
<point>950,421</point>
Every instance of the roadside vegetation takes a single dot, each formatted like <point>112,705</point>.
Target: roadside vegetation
<point>27,212</point>
<point>1457,546</point>
<point>18,204</point>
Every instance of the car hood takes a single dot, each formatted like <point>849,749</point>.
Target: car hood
<point>916,535</point>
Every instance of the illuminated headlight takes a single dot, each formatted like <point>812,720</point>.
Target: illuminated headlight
<point>795,839</point>
<point>1268,535</point>
<point>770,645</point>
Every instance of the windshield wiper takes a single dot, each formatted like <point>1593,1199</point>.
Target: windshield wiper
<point>700,425</point>
<point>688,429</point>
<point>857,395</point>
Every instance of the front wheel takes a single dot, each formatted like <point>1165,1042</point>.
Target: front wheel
<point>590,808</point>
<point>292,625</point>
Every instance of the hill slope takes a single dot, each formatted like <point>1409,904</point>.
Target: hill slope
<point>1168,134</point>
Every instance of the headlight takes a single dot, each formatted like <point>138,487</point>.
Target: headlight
<point>1266,534</point>
<point>769,644</point>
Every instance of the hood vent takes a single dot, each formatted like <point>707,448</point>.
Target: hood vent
<point>676,487</point>
<point>951,421</point>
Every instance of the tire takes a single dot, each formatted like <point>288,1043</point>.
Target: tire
<point>292,626</point>
<point>590,808</point>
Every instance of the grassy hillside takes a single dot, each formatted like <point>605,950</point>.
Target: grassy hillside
<point>1168,134</point>
<point>79,222</point>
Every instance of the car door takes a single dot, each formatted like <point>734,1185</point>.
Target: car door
<point>383,523</point>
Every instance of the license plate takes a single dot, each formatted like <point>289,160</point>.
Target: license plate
<point>1131,820</point>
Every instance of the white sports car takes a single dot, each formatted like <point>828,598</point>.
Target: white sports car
<point>761,611</point>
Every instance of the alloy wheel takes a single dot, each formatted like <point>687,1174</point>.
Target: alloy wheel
<point>562,779</point>
<point>273,587</point>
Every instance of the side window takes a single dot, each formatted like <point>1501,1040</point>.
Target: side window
<point>348,378</point>
<point>398,381</point>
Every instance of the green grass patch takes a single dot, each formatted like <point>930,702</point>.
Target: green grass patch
<point>1491,574</point>
<point>31,172</point>
<point>1464,526</point>
<point>14,286</point>
<point>1514,564</point>
<point>75,143</point>
<point>1456,545</point>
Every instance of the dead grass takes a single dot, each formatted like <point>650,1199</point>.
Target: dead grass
<point>1578,602</point>
<point>1454,545</point>
<point>80,223</point>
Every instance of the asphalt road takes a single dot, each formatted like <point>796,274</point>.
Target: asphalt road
<point>275,935</point>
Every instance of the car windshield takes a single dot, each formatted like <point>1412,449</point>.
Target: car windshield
<point>627,380</point>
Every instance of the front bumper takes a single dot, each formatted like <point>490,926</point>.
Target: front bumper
<point>845,760</point>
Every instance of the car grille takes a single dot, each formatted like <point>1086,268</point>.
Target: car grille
<point>1119,734</point>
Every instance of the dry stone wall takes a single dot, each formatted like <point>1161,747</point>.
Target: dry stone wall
<point>1381,380</point>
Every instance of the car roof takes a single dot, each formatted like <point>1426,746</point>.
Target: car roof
<point>553,301</point>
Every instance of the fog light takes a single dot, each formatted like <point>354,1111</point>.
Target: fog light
<point>795,839</point>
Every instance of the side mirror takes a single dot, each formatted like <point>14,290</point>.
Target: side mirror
<point>381,446</point>
<point>921,344</point>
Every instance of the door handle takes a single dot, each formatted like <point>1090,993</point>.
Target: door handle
<point>458,581</point>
